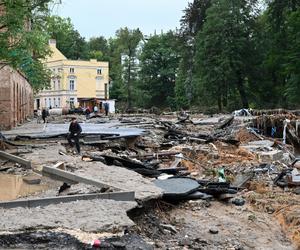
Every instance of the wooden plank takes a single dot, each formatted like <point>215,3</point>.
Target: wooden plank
<point>14,158</point>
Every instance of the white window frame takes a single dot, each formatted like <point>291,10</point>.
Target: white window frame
<point>99,71</point>
<point>72,83</point>
<point>72,102</point>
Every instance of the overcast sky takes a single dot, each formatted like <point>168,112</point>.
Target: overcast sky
<point>104,17</point>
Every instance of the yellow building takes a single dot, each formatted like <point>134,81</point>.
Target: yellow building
<point>74,83</point>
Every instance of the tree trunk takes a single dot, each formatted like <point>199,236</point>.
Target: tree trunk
<point>220,103</point>
<point>129,84</point>
<point>242,91</point>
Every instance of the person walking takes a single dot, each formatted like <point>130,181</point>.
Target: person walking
<point>95,109</point>
<point>39,115</point>
<point>74,134</point>
<point>87,113</point>
<point>106,108</point>
<point>44,115</point>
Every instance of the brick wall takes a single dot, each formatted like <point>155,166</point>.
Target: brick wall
<point>16,98</point>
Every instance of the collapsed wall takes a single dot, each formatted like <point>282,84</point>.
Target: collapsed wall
<point>16,98</point>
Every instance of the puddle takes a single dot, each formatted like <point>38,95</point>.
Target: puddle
<point>13,187</point>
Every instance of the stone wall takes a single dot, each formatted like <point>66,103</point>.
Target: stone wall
<point>16,98</point>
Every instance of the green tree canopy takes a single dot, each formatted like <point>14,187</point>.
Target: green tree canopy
<point>158,70</point>
<point>224,47</point>
<point>23,38</point>
<point>126,43</point>
<point>68,40</point>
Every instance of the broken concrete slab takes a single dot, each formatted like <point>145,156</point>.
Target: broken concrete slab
<point>122,178</point>
<point>71,178</point>
<point>88,216</point>
<point>177,188</point>
<point>255,146</point>
<point>106,131</point>
<point>13,158</point>
<point>207,121</point>
<point>274,155</point>
<point>262,143</point>
<point>241,179</point>
<point>41,202</point>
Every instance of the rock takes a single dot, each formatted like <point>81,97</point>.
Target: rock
<point>169,227</point>
<point>32,180</point>
<point>251,217</point>
<point>118,244</point>
<point>297,191</point>
<point>238,201</point>
<point>185,242</point>
<point>213,231</point>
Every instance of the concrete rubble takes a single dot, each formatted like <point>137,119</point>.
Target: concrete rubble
<point>235,182</point>
<point>88,216</point>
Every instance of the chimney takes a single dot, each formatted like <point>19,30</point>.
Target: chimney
<point>52,42</point>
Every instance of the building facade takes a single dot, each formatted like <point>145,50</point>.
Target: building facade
<point>16,98</point>
<point>74,83</point>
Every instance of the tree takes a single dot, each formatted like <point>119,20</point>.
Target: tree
<point>68,40</point>
<point>223,48</point>
<point>127,42</point>
<point>98,48</point>
<point>158,69</point>
<point>23,38</point>
<point>282,57</point>
<point>292,59</point>
<point>191,23</point>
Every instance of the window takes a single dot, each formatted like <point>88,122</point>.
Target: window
<point>58,84</point>
<point>45,102</point>
<point>72,70</point>
<point>72,102</point>
<point>72,85</point>
<point>54,102</point>
<point>58,100</point>
<point>99,71</point>
<point>50,106</point>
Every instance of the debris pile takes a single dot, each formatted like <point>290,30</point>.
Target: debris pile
<point>247,161</point>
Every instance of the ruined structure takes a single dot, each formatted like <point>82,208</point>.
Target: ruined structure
<point>16,98</point>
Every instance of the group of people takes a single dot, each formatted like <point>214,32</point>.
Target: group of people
<point>88,111</point>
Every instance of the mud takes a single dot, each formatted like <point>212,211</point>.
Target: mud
<point>236,227</point>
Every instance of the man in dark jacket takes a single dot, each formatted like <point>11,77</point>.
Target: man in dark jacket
<point>44,115</point>
<point>106,108</point>
<point>74,133</point>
